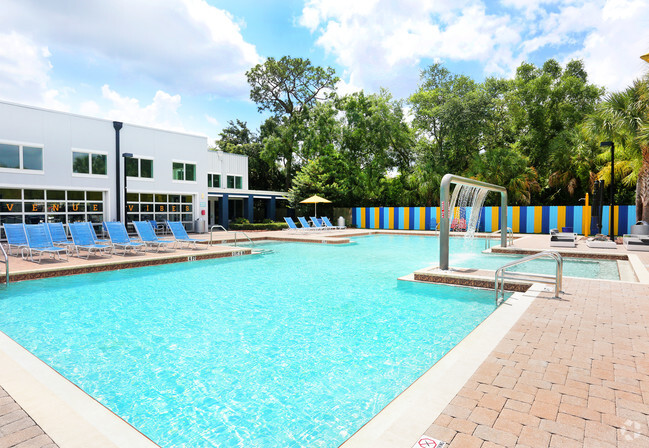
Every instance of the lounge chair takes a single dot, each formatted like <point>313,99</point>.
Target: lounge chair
<point>305,224</point>
<point>317,223</point>
<point>600,242</point>
<point>157,227</point>
<point>119,237</point>
<point>40,242</point>
<point>96,239</point>
<point>145,230</point>
<point>16,236</point>
<point>329,225</point>
<point>561,239</point>
<point>58,235</point>
<point>291,224</point>
<point>85,240</point>
<point>180,234</point>
<point>636,242</point>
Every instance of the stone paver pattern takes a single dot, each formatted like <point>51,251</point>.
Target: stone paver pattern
<point>572,372</point>
<point>17,429</point>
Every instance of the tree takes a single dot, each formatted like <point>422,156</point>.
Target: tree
<point>288,88</point>
<point>623,117</point>
<point>236,138</point>
<point>509,168</point>
<point>546,105</point>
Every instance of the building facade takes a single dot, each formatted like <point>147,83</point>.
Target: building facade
<point>61,167</point>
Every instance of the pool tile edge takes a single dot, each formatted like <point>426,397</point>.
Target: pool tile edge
<point>66,413</point>
<point>409,415</point>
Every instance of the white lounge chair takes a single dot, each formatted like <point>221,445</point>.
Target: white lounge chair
<point>562,239</point>
<point>636,242</point>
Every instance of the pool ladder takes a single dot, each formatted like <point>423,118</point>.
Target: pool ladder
<point>556,280</point>
<point>489,237</point>
<point>6,261</point>
<point>252,243</point>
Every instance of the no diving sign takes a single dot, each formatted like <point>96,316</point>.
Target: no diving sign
<point>429,442</point>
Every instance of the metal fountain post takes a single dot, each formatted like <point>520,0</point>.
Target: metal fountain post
<point>444,196</point>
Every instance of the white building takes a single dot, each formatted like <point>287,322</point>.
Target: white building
<point>56,166</point>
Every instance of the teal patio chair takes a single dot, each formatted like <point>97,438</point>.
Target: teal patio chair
<point>119,237</point>
<point>58,235</point>
<point>329,225</point>
<point>40,242</point>
<point>84,239</point>
<point>16,236</point>
<point>180,234</point>
<point>147,235</point>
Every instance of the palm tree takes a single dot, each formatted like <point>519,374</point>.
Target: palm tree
<point>623,117</point>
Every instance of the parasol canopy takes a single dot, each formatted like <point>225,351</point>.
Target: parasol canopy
<point>315,200</point>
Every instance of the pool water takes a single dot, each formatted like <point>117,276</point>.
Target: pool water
<point>293,349</point>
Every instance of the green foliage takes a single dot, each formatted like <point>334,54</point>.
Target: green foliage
<point>263,172</point>
<point>288,88</point>
<point>526,133</point>
<point>259,226</point>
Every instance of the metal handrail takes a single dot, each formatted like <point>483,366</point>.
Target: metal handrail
<point>215,226</point>
<point>218,226</point>
<point>4,253</point>
<point>244,234</point>
<point>556,280</point>
<point>488,238</point>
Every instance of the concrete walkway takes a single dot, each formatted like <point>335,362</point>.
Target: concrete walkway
<point>572,372</point>
<point>17,429</point>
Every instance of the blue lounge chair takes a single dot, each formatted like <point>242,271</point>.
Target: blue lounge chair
<point>145,230</point>
<point>84,239</point>
<point>291,223</point>
<point>180,234</point>
<point>95,238</point>
<point>305,224</point>
<point>119,237</point>
<point>157,227</point>
<point>40,242</point>
<point>317,223</point>
<point>328,224</point>
<point>58,235</point>
<point>16,236</point>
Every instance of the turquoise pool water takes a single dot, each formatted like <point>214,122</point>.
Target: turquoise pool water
<point>298,348</point>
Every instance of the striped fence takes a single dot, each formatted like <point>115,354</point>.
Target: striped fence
<point>521,219</point>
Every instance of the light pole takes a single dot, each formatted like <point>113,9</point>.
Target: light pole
<point>611,224</point>
<point>126,155</point>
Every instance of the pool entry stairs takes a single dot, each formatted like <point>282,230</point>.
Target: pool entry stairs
<point>502,274</point>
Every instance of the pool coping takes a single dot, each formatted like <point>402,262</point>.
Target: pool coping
<point>405,419</point>
<point>67,414</point>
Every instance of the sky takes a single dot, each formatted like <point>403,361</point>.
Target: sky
<point>180,64</point>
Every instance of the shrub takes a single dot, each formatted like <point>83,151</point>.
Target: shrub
<point>258,226</point>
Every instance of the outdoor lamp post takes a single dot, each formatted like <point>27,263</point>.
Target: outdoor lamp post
<point>126,155</point>
<point>611,224</point>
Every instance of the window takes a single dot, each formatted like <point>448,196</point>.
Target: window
<point>235,182</point>
<point>184,171</point>
<point>21,157</point>
<point>84,162</point>
<point>32,206</point>
<point>213,180</point>
<point>136,167</point>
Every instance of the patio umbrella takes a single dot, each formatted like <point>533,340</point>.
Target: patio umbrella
<point>315,200</point>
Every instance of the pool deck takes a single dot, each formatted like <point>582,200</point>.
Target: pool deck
<point>541,372</point>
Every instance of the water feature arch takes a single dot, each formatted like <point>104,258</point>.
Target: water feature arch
<point>444,197</point>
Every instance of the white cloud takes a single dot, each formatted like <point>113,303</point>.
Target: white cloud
<point>612,50</point>
<point>181,44</point>
<point>211,120</point>
<point>382,43</point>
<point>24,72</point>
<point>162,112</point>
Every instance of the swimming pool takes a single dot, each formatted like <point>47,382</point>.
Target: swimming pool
<point>297,348</point>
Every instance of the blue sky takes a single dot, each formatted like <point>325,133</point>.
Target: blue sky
<point>180,64</point>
